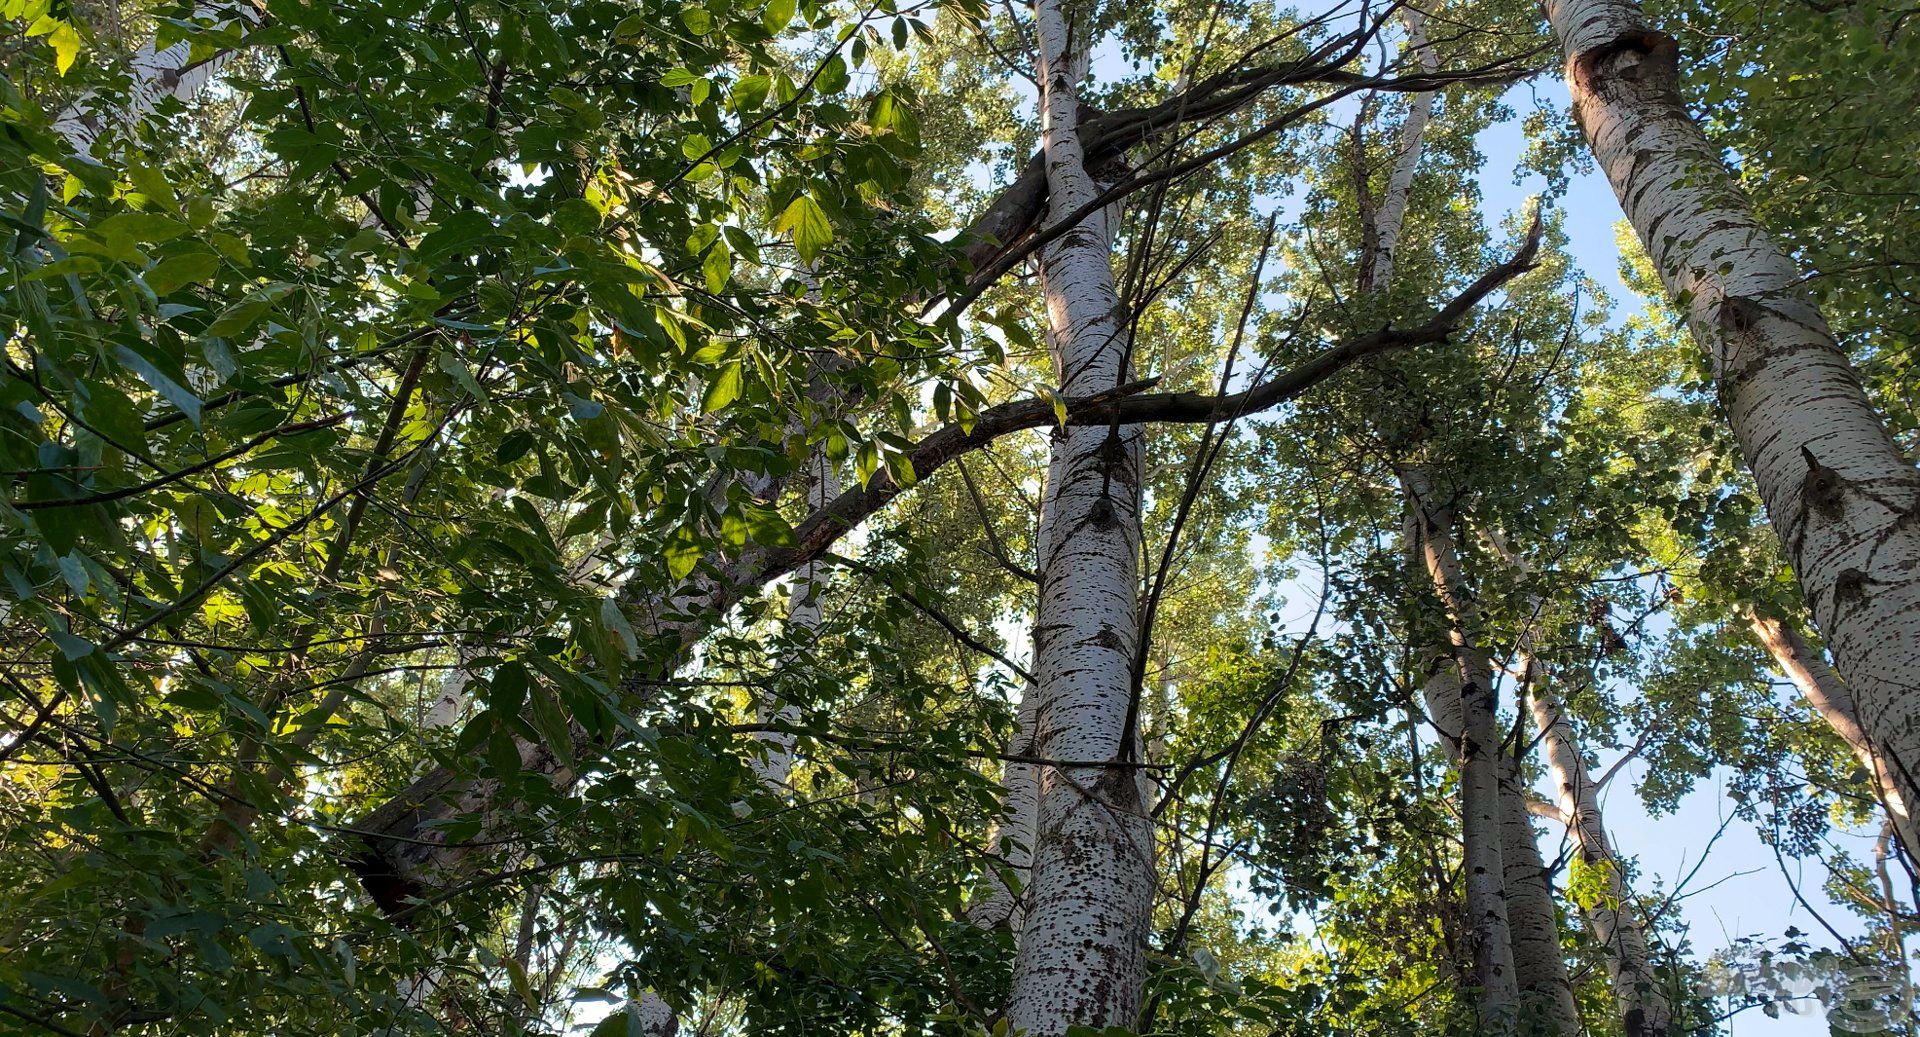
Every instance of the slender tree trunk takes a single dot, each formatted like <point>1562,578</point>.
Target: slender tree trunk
<point>1831,699</point>
<point>1082,954</point>
<point>1506,914</point>
<point>1612,914</point>
<point>1545,993</point>
<point>1431,531</point>
<point>1376,268</point>
<point>774,767</point>
<point>1011,843</point>
<point>1842,498</point>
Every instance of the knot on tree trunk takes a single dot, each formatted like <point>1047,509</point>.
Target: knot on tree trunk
<point>1640,57</point>
<point>1823,489</point>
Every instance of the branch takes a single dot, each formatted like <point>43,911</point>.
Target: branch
<point>396,864</point>
<point>1127,405</point>
<point>283,431</point>
<point>993,235</point>
<point>1542,808</point>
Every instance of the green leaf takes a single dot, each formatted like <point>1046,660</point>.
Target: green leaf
<point>808,224</point>
<point>508,689</point>
<point>176,272</point>
<point>247,312</point>
<point>698,20</point>
<point>750,92</point>
<point>722,390</point>
<point>833,76</point>
<point>682,553</point>
<point>766,526</point>
<point>615,620</point>
<point>173,391</point>
<point>717,268</point>
<point>778,14</point>
<point>454,369</point>
<point>119,235</point>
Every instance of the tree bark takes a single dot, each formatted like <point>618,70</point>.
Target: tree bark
<point>153,76</point>
<point>1830,698</point>
<point>774,766</point>
<point>1376,268</point>
<point>1612,914</point>
<point>1082,951</point>
<point>1430,528</point>
<point>1841,496</point>
<point>1547,1007</point>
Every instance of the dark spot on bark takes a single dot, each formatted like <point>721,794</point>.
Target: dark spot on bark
<point>1823,488</point>
<point>1738,314</point>
<point>1640,57</point>
<point>1850,585</point>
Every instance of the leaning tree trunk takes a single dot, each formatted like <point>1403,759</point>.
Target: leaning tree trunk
<point>1830,698</point>
<point>1463,710</point>
<point>1612,914</point>
<point>1082,953</point>
<point>1842,498</point>
<point>1430,531</point>
<point>1547,1007</point>
<point>1376,266</point>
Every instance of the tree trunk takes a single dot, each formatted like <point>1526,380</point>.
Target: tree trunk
<point>1547,1007</point>
<point>1431,531</point>
<point>153,76</point>
<point>1611,914</point>
<point>1082,954</point>
<point>774,766</point>
<point>1841,496</point>
<point>1376,268</point>
<point>1830,698</point>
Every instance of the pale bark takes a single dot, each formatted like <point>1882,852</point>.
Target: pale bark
<point>153,75</point>
<point>1833,702</point>
<point>1082,953</point>
<point>1431,529</point>
<point>1613,915</point>
<point>1547,1007</point>
<point>1841,496</point>
<point>1376,271</point>
<point>774,765</point>
<point>1543,990</point>
<point>1011,843</point>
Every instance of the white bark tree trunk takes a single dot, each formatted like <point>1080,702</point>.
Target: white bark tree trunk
<point>1390,220</point>
<point>1547,1007</point>
<point>1082,953</point>
<point>1612,915</point>
<point>1841,496</point>
<point>1830,698</point>
<point>774,766</point>
<point>153,76</point>
<point>1430,528</point>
